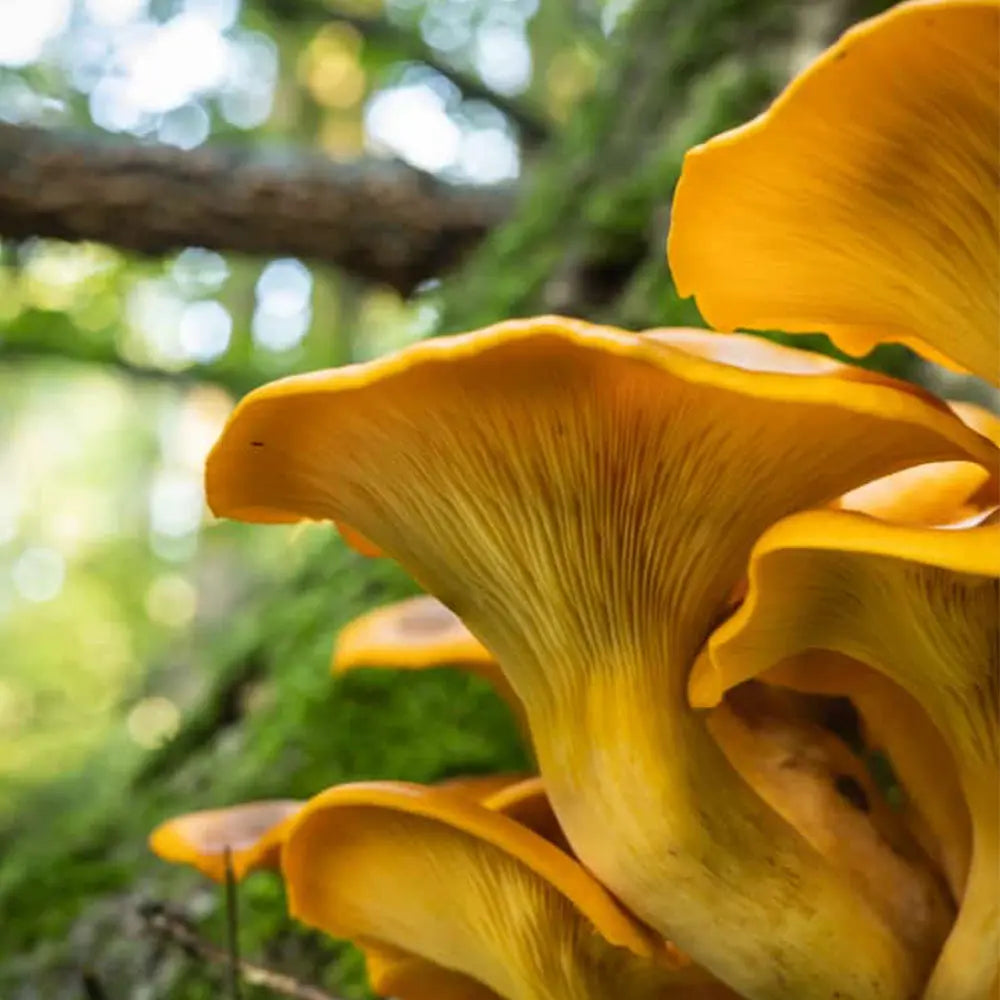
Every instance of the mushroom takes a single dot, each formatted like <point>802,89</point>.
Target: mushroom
<point>456,886</point>
<point>479,787</point>
<point>922,607</point>
<point>393,972</point>
<point>405,976</point>
<point>810,777</point>
<point>526,802</point>
<point>397,973</point>
<point>250,835</point>
<point>863,202</point>
<point>415,634</point>
<point>796,766</point>
<point>895,723</point>
<point>585,500</point>
<point>937,493</point>
<point>253,835</point>
<point>357,541</point>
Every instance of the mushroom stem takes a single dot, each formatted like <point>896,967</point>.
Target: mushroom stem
<point>895,722</point>
<point>969,965</point>
<point>825,580</point>
<point>691,838</point>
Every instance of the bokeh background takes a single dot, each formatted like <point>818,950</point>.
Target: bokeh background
<point>153,661</point>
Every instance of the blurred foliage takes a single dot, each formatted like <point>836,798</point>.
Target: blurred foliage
<point>117,372</point>
<point>134,682</point>
<point>154,662</point>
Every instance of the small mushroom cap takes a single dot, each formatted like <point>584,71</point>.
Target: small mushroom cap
<point>420,633</point>
<point>937,493</point>
<point>329,808</point>
<point>934,494</point>
<point>414,633</point>
<point>527,803</point>
<point>393,972</point>
<point>358,542</point>
<point>480,787</point>
<point>756,353</point>
<point>476,893</point>
<point>873,225</point>
<point>251,834</point>
<point>981,420</point>
<point>397,973</point>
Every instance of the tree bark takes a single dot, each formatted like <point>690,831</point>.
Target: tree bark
<point>380,220</point>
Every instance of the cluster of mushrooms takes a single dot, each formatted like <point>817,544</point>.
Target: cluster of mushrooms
<point>673,552</point>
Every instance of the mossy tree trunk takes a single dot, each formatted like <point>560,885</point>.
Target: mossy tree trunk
<point>587,238</point>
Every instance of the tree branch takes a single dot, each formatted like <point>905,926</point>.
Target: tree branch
<point>383,221</point>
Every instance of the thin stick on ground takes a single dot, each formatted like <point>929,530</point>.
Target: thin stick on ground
<point>176,930</point>
<point>232,928</point>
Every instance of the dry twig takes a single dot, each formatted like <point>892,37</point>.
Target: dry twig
<point>232,929</point>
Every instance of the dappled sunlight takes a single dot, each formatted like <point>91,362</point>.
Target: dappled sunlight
<point>422,120</point>
<point>101,563</point>
<point>283,310</point>
<point>152,721</point>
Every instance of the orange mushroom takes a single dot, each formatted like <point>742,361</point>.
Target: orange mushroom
<point>585,500</point>
<point>895,723</point>
<point>250,835</point>
<point>446,884</point>
<point>938,493</point>
<point>810,777</point>
<point>863,202</point>
<point>415,634</point>
<point>922,607</point>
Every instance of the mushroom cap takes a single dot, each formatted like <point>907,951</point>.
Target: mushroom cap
<point>857,541</point>
<point>478,894</point>
<point>419,633</point>
<point>486,825</point>
<point>250,834</point>
<point>937,493</point>
<point>413,633</point>
<point>873,225</point>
